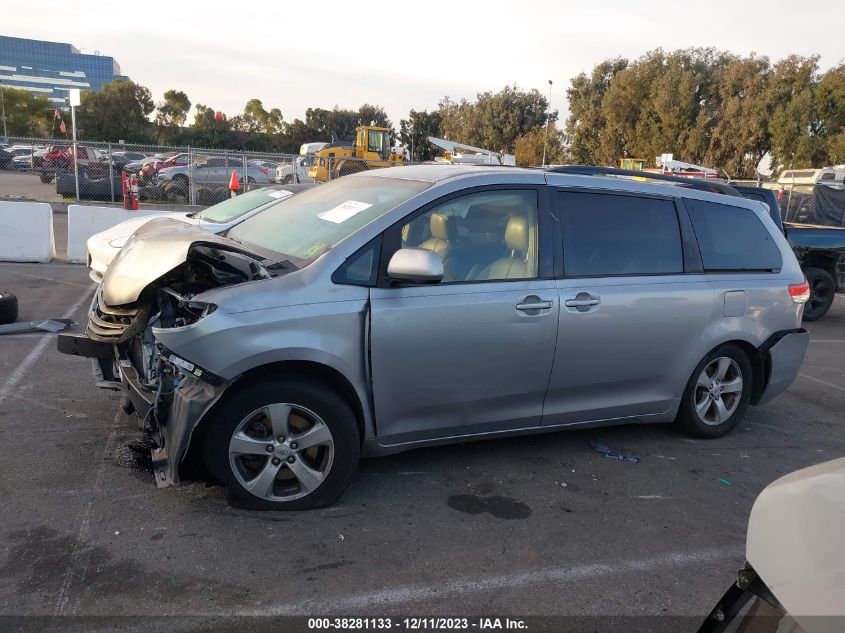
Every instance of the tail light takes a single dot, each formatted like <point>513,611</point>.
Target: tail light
<point>264,170</point>
<point>800,293</point>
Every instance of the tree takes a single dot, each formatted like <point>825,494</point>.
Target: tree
<point>796,122</point>
<point>208,132</point>
<point>415,130</point>
<point>740,134</point>
<point>118,112</point>
<point>586,117</point>
<point>830,100</point>
<point>173,111</point>
<point>528,148</point>
<point>256,120</point>
<point>494,120</point>
<point>373,115</point>
<point>27,114</point>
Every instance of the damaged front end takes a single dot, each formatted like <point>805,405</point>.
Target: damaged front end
<point>170,394</point>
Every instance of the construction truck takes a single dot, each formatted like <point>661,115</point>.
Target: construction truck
<point>372,149</point>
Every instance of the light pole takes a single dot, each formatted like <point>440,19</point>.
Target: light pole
<point>546,137</point>
<point>74,99</point>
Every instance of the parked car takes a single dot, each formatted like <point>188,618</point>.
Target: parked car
<point>59,159</point>
<point>104,246</point>
<point>270,165</point>
<point>792,580</point>
<point>294,171</point>
<point>820,251</point>
<point>152,166</point>
<point>28,160</point>
<point>215,170</point>
<point>5,159</point>
<point>123,158</point>
<point>428,304</point>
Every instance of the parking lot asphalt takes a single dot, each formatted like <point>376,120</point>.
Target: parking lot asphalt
<point>532,525</point>
<point>16,184</point>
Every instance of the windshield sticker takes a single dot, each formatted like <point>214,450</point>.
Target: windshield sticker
<point>281,193</point>
<point>342,212</point>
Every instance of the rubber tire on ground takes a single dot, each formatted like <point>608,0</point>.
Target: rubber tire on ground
<point>181,180</point>
<point>289,180</point>
<point>8,307</point>
<point>819,275</point>
<point>46,178</point>
<point>322,400</point>
<point>687,420</point>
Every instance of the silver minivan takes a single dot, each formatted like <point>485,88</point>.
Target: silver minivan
<point>416,305</point>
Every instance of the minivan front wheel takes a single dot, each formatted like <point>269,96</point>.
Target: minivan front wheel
<point>283,445</point>
<point>717,394</point>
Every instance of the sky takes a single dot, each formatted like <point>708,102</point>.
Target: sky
<point>404,54</point>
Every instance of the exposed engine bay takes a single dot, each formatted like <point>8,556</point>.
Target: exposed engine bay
<point>168,393</point>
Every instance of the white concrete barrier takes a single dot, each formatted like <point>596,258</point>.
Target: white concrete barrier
<point>26,232</point>
<point>83,221</point>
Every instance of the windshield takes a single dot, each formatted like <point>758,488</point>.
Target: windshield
<point>234,208</point>
<point>306,225</point>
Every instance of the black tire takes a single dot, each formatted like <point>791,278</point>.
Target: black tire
<point>181,180</point>
<point>688,419</point>
<point>334,411</point>
<point>8,307</point>
<point>46,178</point>
<point>290,179</point>
<point>204,196</point>
<point>822,293</point>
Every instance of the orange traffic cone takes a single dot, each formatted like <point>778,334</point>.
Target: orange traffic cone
<point>234,185</point>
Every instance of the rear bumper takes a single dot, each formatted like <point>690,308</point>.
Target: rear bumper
<point>786,354</point>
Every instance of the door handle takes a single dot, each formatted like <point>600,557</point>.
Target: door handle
<point>582,303</point>
<point>537,305</point>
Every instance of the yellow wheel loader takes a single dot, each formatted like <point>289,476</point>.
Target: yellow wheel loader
<point>372,149</point>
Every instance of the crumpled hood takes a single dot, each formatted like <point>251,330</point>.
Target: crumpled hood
<point>156,248</point>
<point>128,227</point>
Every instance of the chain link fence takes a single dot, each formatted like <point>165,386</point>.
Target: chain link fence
<point>47,170</point>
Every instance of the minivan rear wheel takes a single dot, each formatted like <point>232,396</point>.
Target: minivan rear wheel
<point>283,444</point>
<point>717,394</point>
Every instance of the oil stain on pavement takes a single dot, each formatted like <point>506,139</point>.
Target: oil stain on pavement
<point>499,507</point>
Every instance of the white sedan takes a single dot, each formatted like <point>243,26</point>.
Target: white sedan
<point>104,246</point>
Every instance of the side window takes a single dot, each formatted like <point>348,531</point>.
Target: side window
<point>483,236</point>
<point>605,235</point>
<point>362,268</point>
<point>732,238</point>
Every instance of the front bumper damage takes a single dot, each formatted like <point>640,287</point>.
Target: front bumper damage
<point>168,415</point>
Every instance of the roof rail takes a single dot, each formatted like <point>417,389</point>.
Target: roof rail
<point>691,183</point>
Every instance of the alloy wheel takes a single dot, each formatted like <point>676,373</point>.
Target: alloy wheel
<point>281,452</point>
<point>718,390</point>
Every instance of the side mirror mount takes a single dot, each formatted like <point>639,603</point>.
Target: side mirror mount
<point>415,265</point>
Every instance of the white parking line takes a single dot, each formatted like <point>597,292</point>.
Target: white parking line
<point>29,360</point>
<point>820,381</point>
<point>372,600</point>
<point>826,340</point>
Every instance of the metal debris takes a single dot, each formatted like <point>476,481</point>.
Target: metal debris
<point>50,325</point>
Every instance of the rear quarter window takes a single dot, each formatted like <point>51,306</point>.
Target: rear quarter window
<point>732,238</point>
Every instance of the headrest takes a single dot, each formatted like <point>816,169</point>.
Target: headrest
<point>439,226</point>
<point>516,233</point>
<point>480,219</point>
